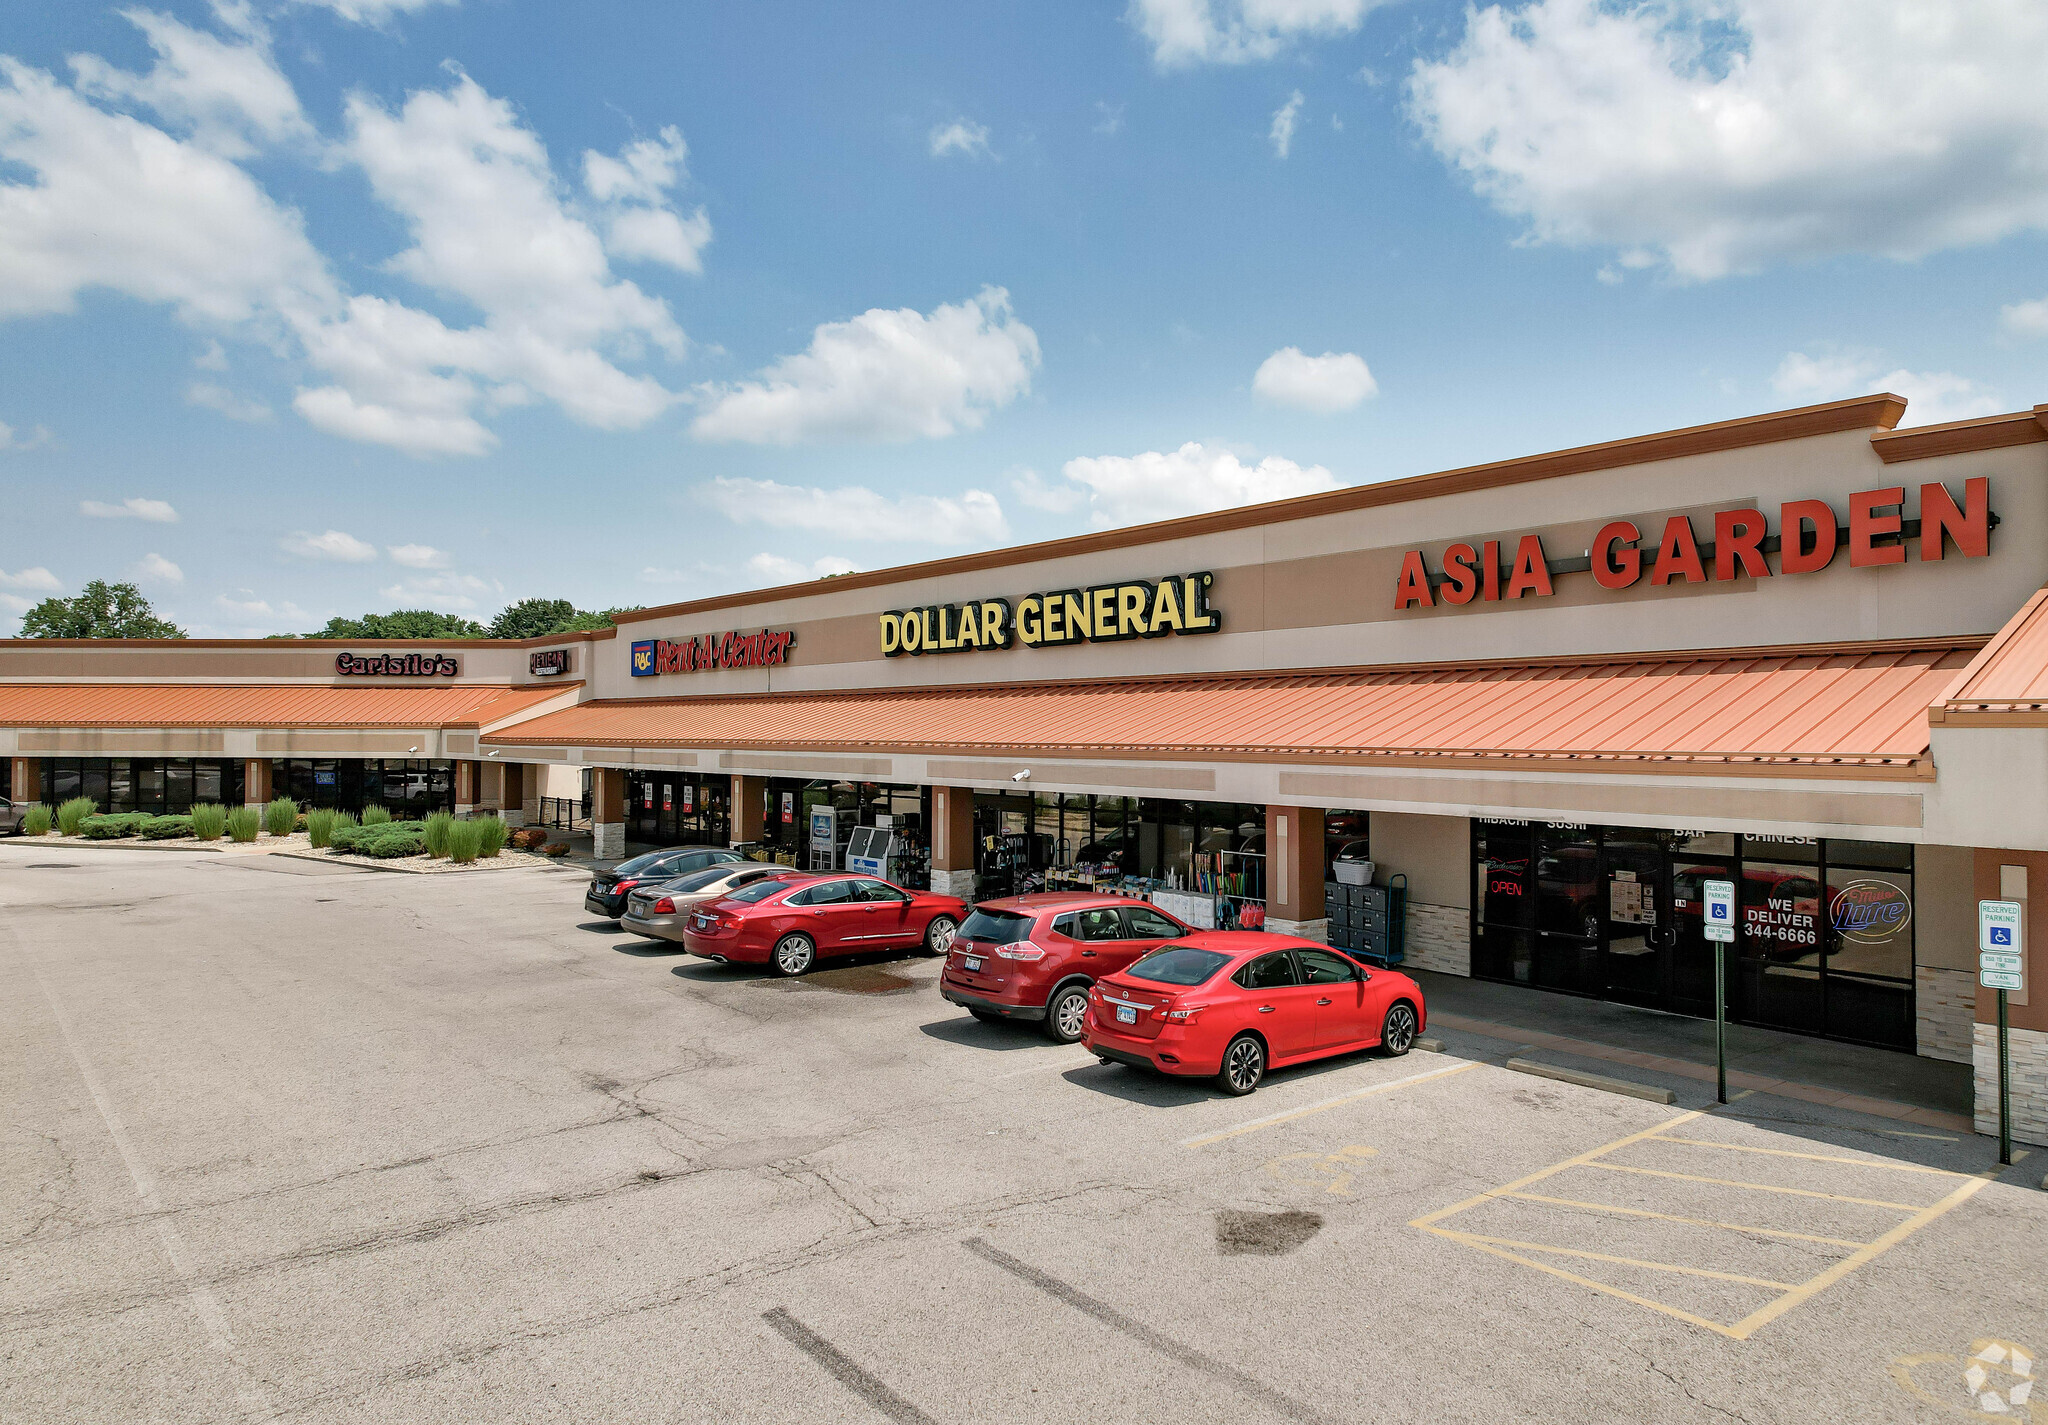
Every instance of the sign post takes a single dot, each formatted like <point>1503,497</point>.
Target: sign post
<point>2000,951</point>
<point>1719,927</point>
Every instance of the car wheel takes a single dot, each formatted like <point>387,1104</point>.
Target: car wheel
<point>938,936</point>
<point>794,955</point>
<point>1064,1013</point>
<point>1397,1035</point>
<point>1244,1064</point>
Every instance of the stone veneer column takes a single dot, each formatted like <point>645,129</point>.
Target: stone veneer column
<point>468,788</point>
<point>490,791</point>
<point>953,841</point>
<point>1294,872</point>
<point>2010,875</point>
<point>512,810</point>
<point>607,813</point>
<point>529,803</point>
<point>749,802</point>
<point>255,781</point>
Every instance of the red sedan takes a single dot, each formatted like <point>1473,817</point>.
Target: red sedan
<point>1234,1004</point>
<point>1034,957</point>
<point>791,921</point>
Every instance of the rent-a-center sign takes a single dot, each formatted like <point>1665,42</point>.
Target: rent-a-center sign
<point>1808,538</point>
<point>765,649</point>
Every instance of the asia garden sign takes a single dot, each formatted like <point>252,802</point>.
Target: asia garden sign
<point>1808,538</point>
<point>1105,613</point>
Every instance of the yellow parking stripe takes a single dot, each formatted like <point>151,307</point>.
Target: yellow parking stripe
<point>1742,1329</point>
<point>1758,1187</point>
<point>1322,1107</point>
<point>1619,1261</point>
<point>1428,1220</point>
<point>1587,1282</point>
<point>1689,1221</point>
<point>1810,1157</point>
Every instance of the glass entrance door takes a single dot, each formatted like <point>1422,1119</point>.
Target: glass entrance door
<point>1635,905</point>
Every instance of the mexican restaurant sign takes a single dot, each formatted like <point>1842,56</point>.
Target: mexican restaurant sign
<point>1107,613</point>
<point>765,649</point>
<point>1808,537</point>
<point>397,665</point>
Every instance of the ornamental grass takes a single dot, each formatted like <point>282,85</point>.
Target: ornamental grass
<point>242,823</point>
<point>280,816</point>
<point>209,820</point>
<point>374,815</point>
<point>72,814</point>
<point>493,831</point>
<point>465,840</point>
<point>437,832</point>
<point>37,820</point>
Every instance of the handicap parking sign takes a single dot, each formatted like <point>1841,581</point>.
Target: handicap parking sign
<point>1999,934</point>
<point>1720,905</point>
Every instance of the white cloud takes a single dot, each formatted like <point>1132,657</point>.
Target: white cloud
<point>1334,381</point>
<point>1281,134</point>
<point>331,546</point>
<point>448,593</point>
<point>633,189</point>
<point>219,398</point>
<point>2021,318</point>
<point>155,569</point>
<point>213,358</point>
<point>10,441</point>
<point>1034,493</point>
<point>109,201</point>
<point>255,615</point>
<point>1109,117</point>
<point>1723,135</point>
<point>230,97</point>
<point>15,603</point>
<point>883,376</point>
<point>417,556</point>
<point>373,12</point>
<point>855,512</point>
<point>1157,485</point>
<point>962,136</point>
<point>1187,32</point>
<point>1931,396</point>
<point>152,511</point>
<point>776,569</point>
<point>37,578</point>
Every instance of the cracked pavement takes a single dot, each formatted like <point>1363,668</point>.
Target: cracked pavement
<point>366,1147</point>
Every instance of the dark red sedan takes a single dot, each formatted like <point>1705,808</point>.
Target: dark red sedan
<point>791,921</point>
<point>1034,957</point>
<point>1236,1003</point>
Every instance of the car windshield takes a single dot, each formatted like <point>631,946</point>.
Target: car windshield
<point>1178,966</point>
<point>698,880</point>
<point>758,891</point>
<point>996,927</point>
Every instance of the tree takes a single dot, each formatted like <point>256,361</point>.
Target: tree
<point>101,610</point>
<point>403,623</point>
<point>537,618</point>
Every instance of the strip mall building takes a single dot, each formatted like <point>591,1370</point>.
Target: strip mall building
<point>1803,651</point>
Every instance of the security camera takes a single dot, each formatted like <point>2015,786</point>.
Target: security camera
<point>1023,776</point>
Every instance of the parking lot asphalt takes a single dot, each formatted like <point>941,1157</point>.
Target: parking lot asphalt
<point>291,1142</point>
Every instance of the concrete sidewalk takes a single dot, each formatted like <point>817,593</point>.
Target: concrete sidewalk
<point>1880,1082</point>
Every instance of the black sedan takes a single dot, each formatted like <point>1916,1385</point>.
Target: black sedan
<point>608,889</point>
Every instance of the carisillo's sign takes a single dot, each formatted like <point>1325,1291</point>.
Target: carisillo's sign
<point>1808,538</point>
<point>397,665</point>
<point>1107,613</point>
<point>765,649</point>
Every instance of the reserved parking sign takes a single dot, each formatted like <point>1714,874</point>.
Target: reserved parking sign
<point>1719,923</point>
<point>2001,938</point>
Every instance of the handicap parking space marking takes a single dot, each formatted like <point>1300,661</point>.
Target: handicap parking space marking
<point>1330,1171</point>
<point>1993,1380</point>
<point>1203,1140</point>
<point>1858,1251</point>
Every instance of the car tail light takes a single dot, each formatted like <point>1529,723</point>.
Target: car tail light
<point>1181,1014</point>
<point>665,906</point>
<point>1022,950</point>
<point>621,887</point>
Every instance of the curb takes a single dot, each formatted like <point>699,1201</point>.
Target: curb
<point>1591,1081</point>
<point>119,843</point>
<point>372,865</point>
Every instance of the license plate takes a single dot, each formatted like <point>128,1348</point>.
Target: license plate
<point>1126,1015</point>
<point>971,963</point>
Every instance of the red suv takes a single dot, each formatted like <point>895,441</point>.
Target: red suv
<point>791,921</point>
<point>1034,957</point>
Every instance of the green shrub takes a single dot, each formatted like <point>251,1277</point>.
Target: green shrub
<point>209,820</point>
<point>387,840</point>
<point>106,828</point>
<point>36,820</point>
<point>493,832</point>
<point>72,812</point>
<point>166,828</point>
<point>320,825</point>
<point>437,832</point>
<point>280,816</point>
<point>465,839</point>
<point>243,823</point>
<point>374,815</point>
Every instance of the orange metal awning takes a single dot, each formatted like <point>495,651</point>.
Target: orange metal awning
<point>144,705</point>
<point>1856,710</point>
<point>2008,682</point>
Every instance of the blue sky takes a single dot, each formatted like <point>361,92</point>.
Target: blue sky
<point>328,306</point>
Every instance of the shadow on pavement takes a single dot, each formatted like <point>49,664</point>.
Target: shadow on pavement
<point>641,947</point>
<point>971,1033</point>
<point>603,927</point>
